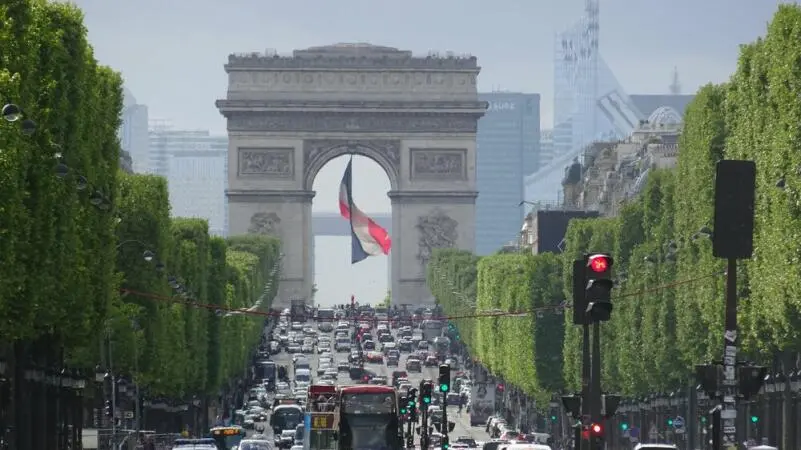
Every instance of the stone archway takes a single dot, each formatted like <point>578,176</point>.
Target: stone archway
<point>414,116</point>
<point>319,152</point>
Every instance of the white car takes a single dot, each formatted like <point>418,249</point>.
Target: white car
<point>342,345</point>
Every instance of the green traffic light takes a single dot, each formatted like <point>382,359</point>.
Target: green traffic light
<point>426,399</point>
<point>754,419</point>
<point>703,419</point>
<point>670,422</point>
<point>443,387</point>
<point>624,426</point>
<point>403,410</point>
<point>553,418</point>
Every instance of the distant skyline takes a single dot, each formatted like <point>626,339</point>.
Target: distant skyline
<point>171,54</point>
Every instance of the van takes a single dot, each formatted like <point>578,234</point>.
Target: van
<point>303,376</point>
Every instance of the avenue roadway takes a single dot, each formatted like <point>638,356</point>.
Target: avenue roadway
<point>462,422</point>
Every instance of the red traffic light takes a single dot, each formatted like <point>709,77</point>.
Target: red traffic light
<point>597,429</point>
<point>598,263</point>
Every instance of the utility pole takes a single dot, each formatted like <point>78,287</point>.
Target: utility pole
<point>580,318</point>
<point>732,239</point>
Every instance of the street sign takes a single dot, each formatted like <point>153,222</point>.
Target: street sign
<point>653,433</point>
<point>322,421</point>
<point>129,414</point>
<point>678,422</point>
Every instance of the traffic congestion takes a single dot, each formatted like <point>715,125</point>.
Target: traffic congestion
<point>355,377</point>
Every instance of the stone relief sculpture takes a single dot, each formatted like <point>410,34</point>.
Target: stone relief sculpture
<point>437,230</point>
<point>447,164</point>
<point>270,162</point>
<point>265,223</point>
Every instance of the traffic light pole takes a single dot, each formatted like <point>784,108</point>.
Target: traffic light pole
<point>595,383</point>
<point>585,386</point>
<point>728,413</point>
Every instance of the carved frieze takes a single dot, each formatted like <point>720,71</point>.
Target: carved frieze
<point>437,230</point>
<point>352,81</point>
<point>267,162</point>
<point>353,122</point>
<point>438,164</point>
<point>265,223</point>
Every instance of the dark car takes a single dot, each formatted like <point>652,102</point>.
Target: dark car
<point>468,441</point>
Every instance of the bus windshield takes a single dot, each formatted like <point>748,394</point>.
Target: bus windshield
<point>286,418</point>
<point>325,314</point>
<point>368,403</point>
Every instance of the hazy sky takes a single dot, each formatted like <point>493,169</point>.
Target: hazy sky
<point>171,53</point>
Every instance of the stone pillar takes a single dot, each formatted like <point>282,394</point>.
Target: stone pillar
<point>286,215</point>
<point>423,221</point>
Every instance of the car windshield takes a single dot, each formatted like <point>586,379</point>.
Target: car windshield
<point>368,404</point>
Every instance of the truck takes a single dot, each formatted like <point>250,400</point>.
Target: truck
<point>297,310</point>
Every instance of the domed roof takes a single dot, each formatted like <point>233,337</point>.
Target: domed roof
<point>665,115</point>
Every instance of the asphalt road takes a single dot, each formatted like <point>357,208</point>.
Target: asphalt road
<point>462,427</point>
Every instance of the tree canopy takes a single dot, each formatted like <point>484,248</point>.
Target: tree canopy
<point>670,295</point>
<point>75,230</point>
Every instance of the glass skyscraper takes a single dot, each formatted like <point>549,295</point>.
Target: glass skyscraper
<point>508,144</point>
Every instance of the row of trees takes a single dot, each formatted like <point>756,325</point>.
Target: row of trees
<point>669,300</point>
<point>76,287</point>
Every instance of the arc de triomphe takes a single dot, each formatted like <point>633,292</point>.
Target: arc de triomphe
<point>414,116</point>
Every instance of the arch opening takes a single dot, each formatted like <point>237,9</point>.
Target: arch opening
<point>335,279</point>
<point>384,153</point>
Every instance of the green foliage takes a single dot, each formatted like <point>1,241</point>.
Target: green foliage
<point>522,348</point>
<point>57,249</point>
<point>64,261</point>
<point>669,306</point>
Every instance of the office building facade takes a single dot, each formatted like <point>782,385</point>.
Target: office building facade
<point>508,149</point>
<point>195,164</point>
<point>133,133</point>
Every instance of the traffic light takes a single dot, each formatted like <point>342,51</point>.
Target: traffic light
<point>709,376</point>
<point>751,380</point>
<point>444,378</point>
<point>404,404</point>
<point>572,404</point>
<point>500,387</point>
<point>624,426</point>
<point>108,409</point>
<point>754,419</point>
<point>598,291</point>
<point>425,393</point>
<point>609,404</point>
<point>670,421</point>
<point>553,417</point>
<point>597,430</point>
<point>445,442</point>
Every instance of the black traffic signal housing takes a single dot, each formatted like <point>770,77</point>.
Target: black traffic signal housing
<point>404,405</point>
<point>709,376</point>
<point>425,393</point>
<point>610,404</point>
<point>751,380</point>
<point>444,378</point>
<point>445,443</point>
<point>579,284</point>
<point>108,409</point>
<point>411,400</point>
<point>572,404</point>
<point>598,290</point>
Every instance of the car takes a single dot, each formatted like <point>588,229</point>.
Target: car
<point>294,348</point>
<point>325,327</point>
<point>392,361</point>
<point>368,345</point>
<point>414,365</point>
<point>375,357</point>
<point>431,361</point>
<point>343,366</point>
<point>307,349</point>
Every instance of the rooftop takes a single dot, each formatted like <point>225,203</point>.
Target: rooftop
<point>355,55</point>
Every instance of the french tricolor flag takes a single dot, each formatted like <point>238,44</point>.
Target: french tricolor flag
<point>367,237</point>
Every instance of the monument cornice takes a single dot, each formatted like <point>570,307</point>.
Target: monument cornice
<point>433,197</point>
<point>268,196</point>
<point>245,105</point>
<point>354,122</point>
<point>336,60</point>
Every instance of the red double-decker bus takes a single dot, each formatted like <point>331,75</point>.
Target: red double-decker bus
<point>368,418</point>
